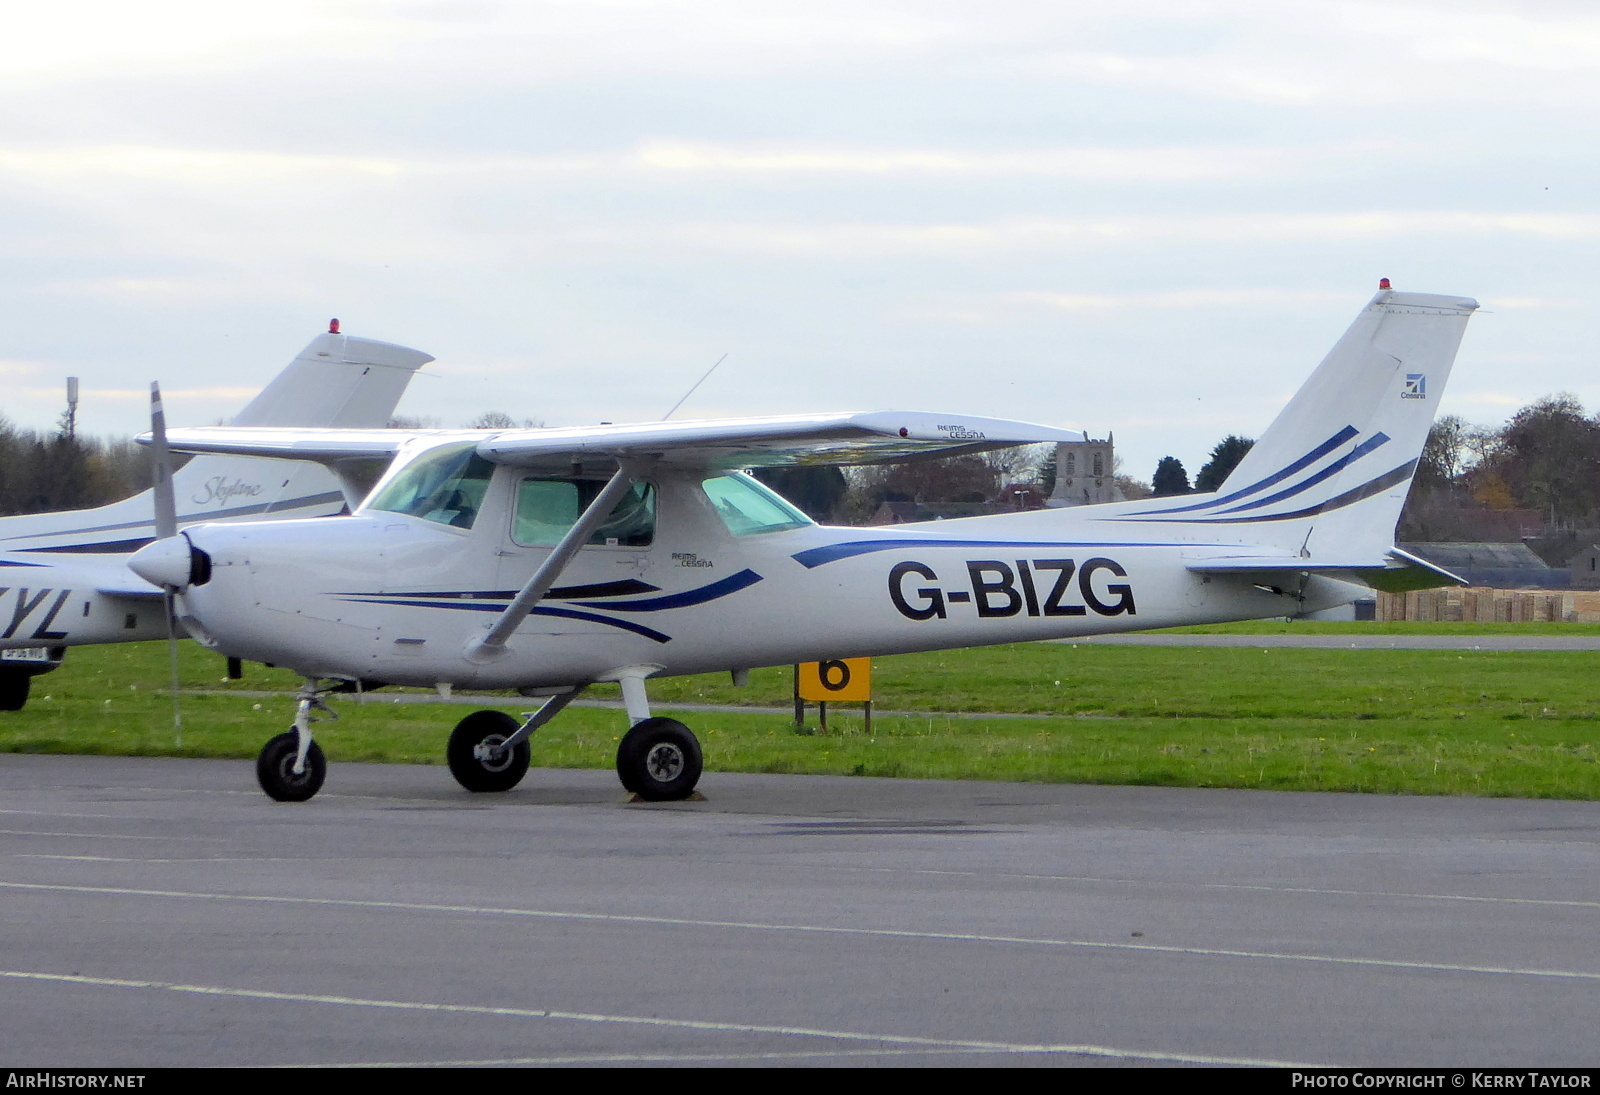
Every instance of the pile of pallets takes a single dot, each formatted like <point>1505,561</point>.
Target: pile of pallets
<point>1482,605</point>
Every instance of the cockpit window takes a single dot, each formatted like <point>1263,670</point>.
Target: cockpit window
<point>446,486</point>
<point>748,508</point>
<point>547,508</point>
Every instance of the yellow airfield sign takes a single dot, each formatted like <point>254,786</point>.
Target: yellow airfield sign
<point>845,679</point>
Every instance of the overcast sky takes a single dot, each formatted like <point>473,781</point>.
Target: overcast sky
<point>1146,217</point>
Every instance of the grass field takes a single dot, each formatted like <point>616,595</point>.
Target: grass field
<point>1521,724</point>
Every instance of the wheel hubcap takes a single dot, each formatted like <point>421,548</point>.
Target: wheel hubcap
<point>491,755</point>
<point>664,762</point>
<point>286,771</point>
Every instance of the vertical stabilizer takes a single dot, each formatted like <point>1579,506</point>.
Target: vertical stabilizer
<point>1330,475</point>
<point>336,381</point>
<point>1334,467</point>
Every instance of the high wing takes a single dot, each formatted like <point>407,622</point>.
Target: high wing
<point>873,437</point>
<point>323,446</point>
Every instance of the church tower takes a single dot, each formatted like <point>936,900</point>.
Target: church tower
<point>1084,474</point>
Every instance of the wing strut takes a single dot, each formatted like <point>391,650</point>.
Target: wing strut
<point>545,577</point>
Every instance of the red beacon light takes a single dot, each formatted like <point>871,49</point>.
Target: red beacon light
<point>333,324</point>
<point>1383,283</point>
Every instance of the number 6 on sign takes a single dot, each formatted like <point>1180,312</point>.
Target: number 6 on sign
<point>843,679</point>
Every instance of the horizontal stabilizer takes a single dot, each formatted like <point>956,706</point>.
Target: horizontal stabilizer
<point>129,586</point>
<point>1398,572</point>
<point>1410,571</point>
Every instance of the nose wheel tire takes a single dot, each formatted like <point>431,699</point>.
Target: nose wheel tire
<point>659,760</point>
<point>477,757</point>
<point>275,769</point>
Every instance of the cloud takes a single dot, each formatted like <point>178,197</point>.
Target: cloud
<point>142,395</point>
<point>1098,164</point>
<point>203,169</point>
<point>1183,298</point>
<point>1494,304</point>
<point>1040,234</point>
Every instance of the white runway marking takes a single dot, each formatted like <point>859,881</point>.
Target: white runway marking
<point>107,836</point>
<point>819,929</point>
<point>650,1021</point>
<point>46,813</point>
<point>154,859</point>
<point>1253,888</point>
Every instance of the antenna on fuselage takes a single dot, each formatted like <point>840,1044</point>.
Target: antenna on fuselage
<point>696,384</point>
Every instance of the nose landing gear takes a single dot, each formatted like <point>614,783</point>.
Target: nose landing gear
<point>291,767</point>
<point>275,769</point>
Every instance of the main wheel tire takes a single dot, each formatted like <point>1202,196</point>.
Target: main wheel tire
<point>500,771</point>
<point>275,769</point>
<point>659,760</point>
<point>14,690</point>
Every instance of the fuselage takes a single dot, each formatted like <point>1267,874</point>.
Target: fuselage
<point>403,599</point>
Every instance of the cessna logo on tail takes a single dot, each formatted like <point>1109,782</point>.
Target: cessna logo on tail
<point>1038,587</point>
<point>1416,386</point>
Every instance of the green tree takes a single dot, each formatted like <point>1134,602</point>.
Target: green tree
<point>1170,478</point>
<point>1549,458</point>
<point>1225,456</point>
<point>930,481</point>
<point>1444,455</point>
<point>816,490</point>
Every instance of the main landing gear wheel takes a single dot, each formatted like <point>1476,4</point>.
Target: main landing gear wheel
<point>477,757</point>
<point>275,769</point>
<point>14,690</point>
<point>659,760</point>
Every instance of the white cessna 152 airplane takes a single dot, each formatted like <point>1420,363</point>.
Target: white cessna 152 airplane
<point>64,579</point>
<point>550,559</point>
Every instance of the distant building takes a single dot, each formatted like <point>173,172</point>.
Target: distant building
<point>1585,568</point>
<point>1085,474</point>
<point>1500,566</point>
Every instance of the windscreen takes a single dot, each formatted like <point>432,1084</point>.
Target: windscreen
<point>445,485</point>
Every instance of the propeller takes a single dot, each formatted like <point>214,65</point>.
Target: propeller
<point>166,530</point>
<point>161,460</point>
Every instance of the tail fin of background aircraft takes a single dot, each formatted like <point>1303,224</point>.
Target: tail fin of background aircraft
<point>338,381</point>
<point>1333,469</point>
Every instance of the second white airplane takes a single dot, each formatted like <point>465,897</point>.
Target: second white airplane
<point>548,560</point>
<point>64,578</point>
